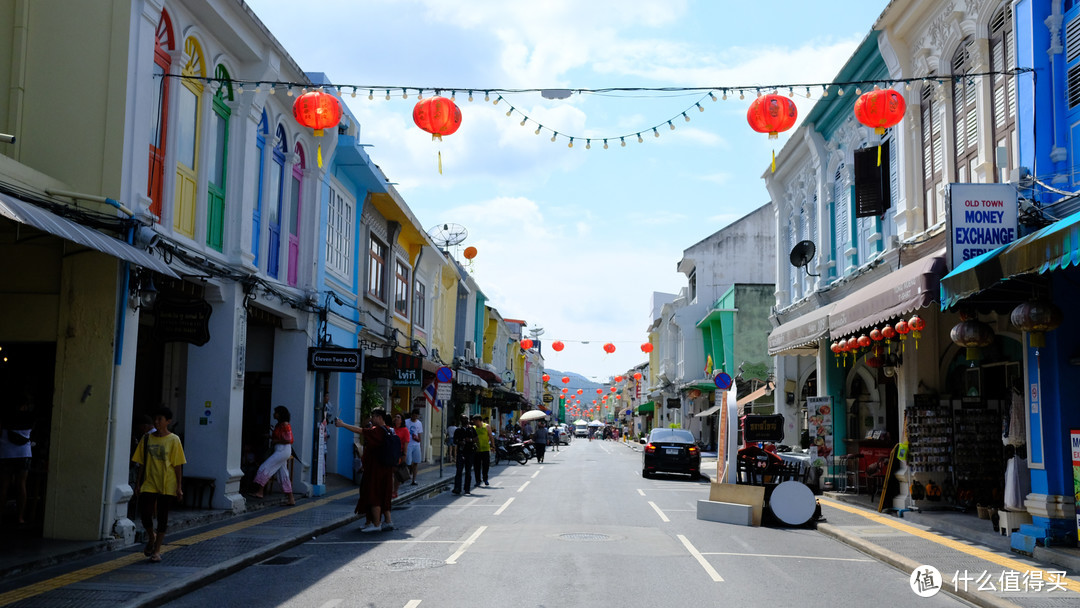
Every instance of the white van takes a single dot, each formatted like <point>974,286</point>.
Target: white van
<point>581,429</point>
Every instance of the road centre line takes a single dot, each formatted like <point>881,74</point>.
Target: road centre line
<point>468,542</point>
<point>83,574</point>
<point>833,559</point>
<point>534,475</point>
<point>701,560</point>
<point>413,603</point>
<point>663,517</point>
<point>332,603</point>
<point>1011,564</point>
<point>523,486</point>
<point>641,492</point>
<point>393,541</point>
<point>503,507</point>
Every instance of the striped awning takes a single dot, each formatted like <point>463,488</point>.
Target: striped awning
<point>46,221</point>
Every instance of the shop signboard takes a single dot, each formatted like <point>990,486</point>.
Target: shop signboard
<point>178,318</point>
<point>820,418</point>
<point>334,359</point>
<point>407,369</point>
<point>982,217</point>
<point>763,428</point>
<point>1074,440</point>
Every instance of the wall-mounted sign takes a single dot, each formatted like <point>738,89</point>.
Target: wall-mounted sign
<point>334,359</point>
<point>674,404</point>
<point>982,217</point>
<point>182,319</point>
<point>763,428</point>
<point>548,398</point>
<point>407,369</point>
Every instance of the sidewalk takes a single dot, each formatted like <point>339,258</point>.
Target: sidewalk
<point>201,547</point>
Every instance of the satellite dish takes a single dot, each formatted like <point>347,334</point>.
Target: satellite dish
<point>448,235</point>
<point>801,254</point>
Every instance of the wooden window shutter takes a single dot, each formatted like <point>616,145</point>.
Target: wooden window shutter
<point>872,192</point>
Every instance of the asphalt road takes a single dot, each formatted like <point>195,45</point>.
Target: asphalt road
<point>581,529</point>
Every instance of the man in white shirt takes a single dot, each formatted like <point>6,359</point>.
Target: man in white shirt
<point>412,452</point>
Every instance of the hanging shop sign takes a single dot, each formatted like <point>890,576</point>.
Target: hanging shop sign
<point>182,319</point>
<point>407,369</point>
<point>982,217</point>
<point>763,428</point>
<point>1074,440</point>
<point>674,404</point>
<point>334,359</point>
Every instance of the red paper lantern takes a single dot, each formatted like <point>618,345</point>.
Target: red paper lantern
<point>646,347</point>
<point>565,380</point>
<point>637,375</point>
<point>902,328</point>
<point>835,348</point>
<point>876,335</point>
<point>565,390</point>
<point>609,348</point>
<point>613,389</point>
<point>470,253</point>
<point>852,344</point>
<point>880,109</point>
<point>618,378</point>
<point>526,344</point>
<point>916,323</point>
<point>557,346</point>
<point>580,391</point>
<point>599,391</point>
<point>864,341</point>
<point>437,115</point>
<point>545,377</point>
<point>772,114</point>
<point>888,332</point>
<point>317,110</point>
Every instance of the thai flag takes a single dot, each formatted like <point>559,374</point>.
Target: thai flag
<point>429,395</point>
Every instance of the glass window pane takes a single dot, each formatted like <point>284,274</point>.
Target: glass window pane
<point>273,213</point>
<point>189,109</point>
<point>294,207</point>
<point>217,168</point>
<point>158,112</point>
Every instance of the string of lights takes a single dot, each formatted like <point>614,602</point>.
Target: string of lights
<point>712,93</point>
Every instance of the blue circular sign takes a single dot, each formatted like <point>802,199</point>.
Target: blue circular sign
<point>444,374</point>
<point>722,381</point>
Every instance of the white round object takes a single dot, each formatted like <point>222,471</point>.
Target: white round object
<point>792,503</point>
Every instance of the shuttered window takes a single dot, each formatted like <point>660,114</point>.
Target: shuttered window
<point>965,113</point>
<point>932,158</point>
<point>1003,57</point>
<point>842,235</point>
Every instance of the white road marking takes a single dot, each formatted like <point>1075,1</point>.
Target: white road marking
<point>332,604</point>
<point>524,485</point>
<point>425,534</point>
<point>663,517</point>
<point>835,559</point>
<point>503,507</point>
<point>534,475</point>
<point>413,604</point>
<point>701,560</point>
<point>472,539</point>
<point>395,541</point>
<point>640,491</point>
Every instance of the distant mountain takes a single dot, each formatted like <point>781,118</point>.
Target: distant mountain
<point>576,381</point>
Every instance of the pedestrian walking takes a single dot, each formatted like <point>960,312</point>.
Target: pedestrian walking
<point>413,453</point>
<point>451,450</point>
<point>377,483</point>
<point>403,435</point>
<point>465,441</point>
<point>162,458</point>
<point>555,436</point>
<point>484,440</point>
<point>16,452</point>
<point>540,439</point>
<point>281,440</point>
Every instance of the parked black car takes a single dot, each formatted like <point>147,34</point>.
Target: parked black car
<point>671,451</point>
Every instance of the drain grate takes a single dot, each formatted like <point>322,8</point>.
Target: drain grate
<point>583,536</point>
<point>281,560</point>
<point>405,564</point>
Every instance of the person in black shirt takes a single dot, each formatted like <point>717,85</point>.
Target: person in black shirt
<point>465,442</point>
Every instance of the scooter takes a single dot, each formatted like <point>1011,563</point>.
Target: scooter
<point>508,449</point>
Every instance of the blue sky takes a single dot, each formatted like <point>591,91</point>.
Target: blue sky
<point>569,239</point>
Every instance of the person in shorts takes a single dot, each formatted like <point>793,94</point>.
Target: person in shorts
<point>412,451</point>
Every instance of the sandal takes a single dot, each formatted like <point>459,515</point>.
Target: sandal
<point>155,558</point>
<point>149,550</point>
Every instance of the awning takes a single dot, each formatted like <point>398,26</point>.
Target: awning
<point>490,377</point>
<point>46,221</point>
<point>800,335</point>
<point>709,412</point>
<point>645,408</point>
<point>1054,247</point>
<point>467,378</point>
<point>910,288</point>
<point>701,384</point>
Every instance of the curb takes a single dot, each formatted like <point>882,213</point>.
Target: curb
<point>908,565</point>
<point>219,571</point>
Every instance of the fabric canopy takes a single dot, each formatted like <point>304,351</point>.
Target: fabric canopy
<point>902,291</point>
<point>646,407</point>
<point>800,335</point>
<point>46,221</point>
<point>709,412</point>
<point>1053,247</point>
<point>465,377</point>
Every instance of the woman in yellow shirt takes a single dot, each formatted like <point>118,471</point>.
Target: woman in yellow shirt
<point>162,458</point>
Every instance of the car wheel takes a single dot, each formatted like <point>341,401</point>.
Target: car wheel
<point>645,473</point>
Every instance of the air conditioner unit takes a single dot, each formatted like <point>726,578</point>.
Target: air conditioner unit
<point>470,352</point>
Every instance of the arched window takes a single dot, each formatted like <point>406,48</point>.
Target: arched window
<point>932,158</point>
<point>841,225</point>
<point>163,45</point>
<point>217,166</point>
<point>187,136</point>
<point>273,212</point>
<point>294,216</point>
<point>794,274</point>
<point>256,216</point>
<point>1003,57</point>
<point>965,113</point>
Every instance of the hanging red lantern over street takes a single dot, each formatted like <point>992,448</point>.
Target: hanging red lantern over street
<point>565,390</point>
<point>437,115</point>
<point>647,347</point>
<point>545,377</point>
<point>609,348</point>
<point>526,344</point>
<point>580,391</point>
<point>470,252</point>
<point>637,375</point>
<point>317,110</point>
<point>557,346</point>
<point>880,109</point>
<point>599,391</point>
<point>618,378</point>
<point>772,114</point>
<point>566,380</point>
<point>613,389</point>
<point>1036,317</point>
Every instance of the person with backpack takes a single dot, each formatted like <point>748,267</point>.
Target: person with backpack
<point>382,450</point>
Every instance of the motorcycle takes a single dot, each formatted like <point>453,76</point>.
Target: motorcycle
<point>510,449</point>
